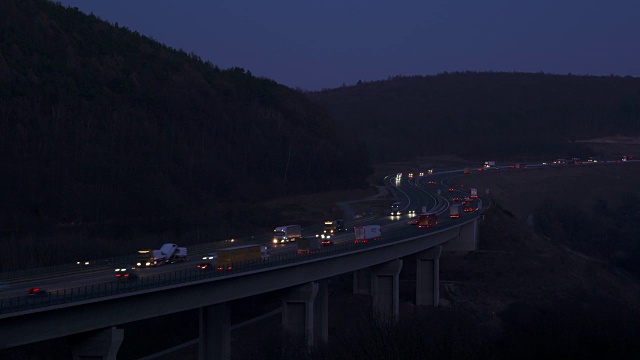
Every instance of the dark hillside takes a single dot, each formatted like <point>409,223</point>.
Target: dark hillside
<point>99,124</point>
<point>500,115</point>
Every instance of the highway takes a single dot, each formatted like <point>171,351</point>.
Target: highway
<point>79,282</point>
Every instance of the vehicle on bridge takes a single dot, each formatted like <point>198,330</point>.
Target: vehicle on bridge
<point>309,244</point>
<point>227,258</point>
<point>209,262</point>
<point>168,253</point>
<point>325,240</point>
<point>366,232</point>
<point>284,234</point>
<point>36,292</point>
<point>470,204</point>
<point>473,193</point>
<point>333,226</point>
<point>125,272</point>
<point>395,208</point>
<point>455,211</point>
<point>427,220</point>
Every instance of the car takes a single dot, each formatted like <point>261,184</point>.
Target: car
<point>452,189</point>
<point>125,272</point>
<point>205,266</point>
<point>36,292</point>
<point>431,182</point>
<point>326,242</point>
<point>456,198</point>
<point>413,221</point>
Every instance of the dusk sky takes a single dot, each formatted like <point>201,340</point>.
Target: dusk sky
<point>315,44</point>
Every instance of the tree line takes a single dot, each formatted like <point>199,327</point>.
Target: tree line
<point>485,114</point>
<point>99,124</point>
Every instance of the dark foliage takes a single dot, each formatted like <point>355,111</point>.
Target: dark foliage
<point>101,125</point>
<point>487,114</point>
<point>608,233</point>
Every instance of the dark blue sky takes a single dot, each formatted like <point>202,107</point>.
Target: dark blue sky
<point>315,44</point>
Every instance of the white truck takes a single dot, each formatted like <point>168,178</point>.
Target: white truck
<point>366,232</point>
<point>473,193</point>
<point>168,253</point>
<point>284,234</point>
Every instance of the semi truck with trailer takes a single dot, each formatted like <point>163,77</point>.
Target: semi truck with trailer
<point>395,208</point>
<point>365,233</point>
<point>427,220</point>
<point>333,226</point>
<point>284,234</point>
<point>308,244</point>
<point>225,259</point>
<point>167,254</point>
<point>455,211</point>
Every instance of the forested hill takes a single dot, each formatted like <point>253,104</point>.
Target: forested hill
<point>101,124</point>
<point>502,115</point>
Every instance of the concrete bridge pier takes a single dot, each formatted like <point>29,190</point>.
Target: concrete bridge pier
<point>215,332</point>
<point>362,281</point>
<point>321,313</point>
<point>102,345</point>
<point>385,288</point>
<point>466,241</point>
<point>428,277</point>
<point>298,312</point>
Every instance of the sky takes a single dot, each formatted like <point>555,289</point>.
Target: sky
<point>322,44</point>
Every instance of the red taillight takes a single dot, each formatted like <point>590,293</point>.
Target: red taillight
<point>219,267</point>
<point>229,268</point>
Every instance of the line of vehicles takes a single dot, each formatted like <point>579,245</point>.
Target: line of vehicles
<point>227,258</point>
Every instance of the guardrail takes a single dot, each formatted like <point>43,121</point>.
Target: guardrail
<point>112,288</point>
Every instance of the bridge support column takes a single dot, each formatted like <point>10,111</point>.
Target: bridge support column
<point>98,345</point>
<point>385,288</point>
<point>298,313</point>
<point>362,281</point>
<point>215,332</point>
<point>321,313</point>
<point>466,241</point>
<point>428,277</point>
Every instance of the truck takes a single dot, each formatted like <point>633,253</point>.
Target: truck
<point>455,211</point>
<point>395,208</point>
<point>489,164</point>
<point>470,205</point>
<point>427,220</point>
<point>167,254</point>
<point>365,233</point>
<point>473,193</point>
<point>333,226</point>
<point>225,259</point>
<point>284,234</point>
<point>308,244</point>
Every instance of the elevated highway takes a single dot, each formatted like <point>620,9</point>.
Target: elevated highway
<point>96,305</point>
